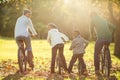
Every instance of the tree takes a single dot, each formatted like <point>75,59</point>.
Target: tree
<point>111,8</point>
<point>117,23</point>
<point>10,10</point>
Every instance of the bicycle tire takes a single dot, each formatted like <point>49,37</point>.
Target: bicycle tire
<point>21,61</point>
<point>58,64</point>
<point>102,61</point>
<point>107,64</point>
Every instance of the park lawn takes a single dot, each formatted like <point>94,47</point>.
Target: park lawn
<point>42,55</point>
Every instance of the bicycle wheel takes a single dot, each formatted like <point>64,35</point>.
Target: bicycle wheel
<point>58,64</point>
<point>107,64</point>
<point>21,61</point>
<point>102,61</point>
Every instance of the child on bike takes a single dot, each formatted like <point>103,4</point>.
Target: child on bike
<point>78,46</point>
<point>56,41</point>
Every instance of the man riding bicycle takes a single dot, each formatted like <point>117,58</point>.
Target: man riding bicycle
<point>22,33</point>
<point>103,31</point>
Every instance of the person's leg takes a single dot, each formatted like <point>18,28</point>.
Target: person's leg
<point>72,61</point>
<point>29,51</point>
<point>109,57</point>
<point>81,61</point>
<point>97,50</point>
<point>54,52</point>
<point>61,50</point>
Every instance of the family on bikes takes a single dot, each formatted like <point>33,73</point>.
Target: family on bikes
<point>102,27</point>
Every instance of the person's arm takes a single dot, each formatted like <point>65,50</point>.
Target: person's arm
<point>112,27</point>
<point>48,37</point>
<point>31,27</point>
<point>91,29</point>
<point>64,37</point>
<point>86,42</point>
<point>74,43</point>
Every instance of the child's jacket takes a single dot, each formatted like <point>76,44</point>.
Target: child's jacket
<point>78,45</point>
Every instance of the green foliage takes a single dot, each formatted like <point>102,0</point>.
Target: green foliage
<point>10,10</point>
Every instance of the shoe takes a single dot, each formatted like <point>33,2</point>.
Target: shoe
<point>66,70</point>
<point>85,73</point>
<point>97,73</point>
<point>32,68</point>
<point>52,72</point>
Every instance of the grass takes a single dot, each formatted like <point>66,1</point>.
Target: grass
<point>42,55</point>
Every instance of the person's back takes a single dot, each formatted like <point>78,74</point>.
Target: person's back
<point>102,28</point>
<point>79,45</point>
<point>21,28</point>
<point>55,37</point>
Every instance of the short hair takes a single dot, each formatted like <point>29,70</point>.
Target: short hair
<point>26,11</point>
<point>76,31</point>
<point>52,25</point>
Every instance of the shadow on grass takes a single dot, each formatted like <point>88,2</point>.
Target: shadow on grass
<point>15,76</point>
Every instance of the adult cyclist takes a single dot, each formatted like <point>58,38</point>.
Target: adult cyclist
<point>103,30</point>
<point>21,32</point>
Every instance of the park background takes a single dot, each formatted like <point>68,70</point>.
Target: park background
<point>68,15</point>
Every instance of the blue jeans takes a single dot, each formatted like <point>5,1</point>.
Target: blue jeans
<point>98,47</point>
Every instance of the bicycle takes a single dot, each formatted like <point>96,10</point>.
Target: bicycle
<point>22,57</point>
<point>105,63</point>
<point>59,64</point>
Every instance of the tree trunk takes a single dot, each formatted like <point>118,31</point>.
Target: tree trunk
<point>117,42</point>
<point>117,31</point>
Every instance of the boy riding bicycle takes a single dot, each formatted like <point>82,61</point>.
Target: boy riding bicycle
<point>78,46</point>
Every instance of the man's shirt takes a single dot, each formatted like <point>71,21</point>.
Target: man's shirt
<point>22,25</point>
<point>102,27</point>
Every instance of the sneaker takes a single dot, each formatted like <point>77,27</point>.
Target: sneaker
<point>52,72</point>
<point>97,73</point>
<point>85,73</point>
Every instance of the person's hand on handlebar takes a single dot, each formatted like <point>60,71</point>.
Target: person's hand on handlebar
<point>34,36</point>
